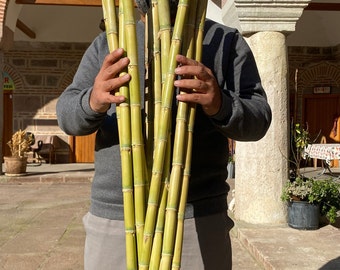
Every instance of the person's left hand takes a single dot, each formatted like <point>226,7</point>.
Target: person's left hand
<point>199,83</point>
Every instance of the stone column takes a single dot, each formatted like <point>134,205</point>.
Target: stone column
<point>262,167</point>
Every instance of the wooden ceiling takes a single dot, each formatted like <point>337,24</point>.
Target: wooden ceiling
<point>63,2</point>
<point>312,6</point>
<point>323,6</point>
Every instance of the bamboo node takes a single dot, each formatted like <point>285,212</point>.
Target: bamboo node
<point>125,148</point>
<point>141,185</point>
<point>181,119</point>
<point>159,230</point>
<point>153,204</point>
<point>172,209</point>
<point>135,145</point>
<point>180,216</point>
<point>127,190</point>
<point>178,164</point>
<point>167,254</point>
<point>154,172</point>
<point>131,231</point>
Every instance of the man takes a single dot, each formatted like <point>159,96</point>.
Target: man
<point>231,104</point>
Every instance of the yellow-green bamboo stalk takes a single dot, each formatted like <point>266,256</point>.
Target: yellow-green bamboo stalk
<point>110,20</point>
<point>201,11</point>
<point>200,21</point>
<point>162,135</point>
<point>126,162</point>
<point>159,230</point>
<point>174,188</point>
<point>148,105</point>
<point>176,261</point>
<point>138,154</point>
<point>172,231</point>
<point>164,34</point>
<point>179,153</point>
<point>111,29</point>
<point>189,50</point>
<point>157,70</point>
<point>109,14</point>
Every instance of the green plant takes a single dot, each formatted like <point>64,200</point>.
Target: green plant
<point>231,155</point>
<point>299,140</point>
<point>20,143</point>
<point>324,192</point>
<point>327,193</point>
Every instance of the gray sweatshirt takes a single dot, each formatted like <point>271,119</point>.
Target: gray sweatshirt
<point>244,116</point>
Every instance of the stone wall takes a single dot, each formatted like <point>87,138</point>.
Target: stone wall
<point>311,67</point>
<point>40,73</point>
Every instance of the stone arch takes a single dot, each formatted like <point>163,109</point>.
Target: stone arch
<point>318,73</point>
<point>310,75</point>
<point>68,77</point>
<point>17,80</point>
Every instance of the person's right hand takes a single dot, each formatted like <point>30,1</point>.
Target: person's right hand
<point>108,82</point>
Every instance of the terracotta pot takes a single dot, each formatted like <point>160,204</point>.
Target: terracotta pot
<point>15,166</point>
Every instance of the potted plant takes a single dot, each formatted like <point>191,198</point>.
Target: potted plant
<point>299,140</point>
<point>19,145</point>
<point>309,199</point>
<point>231,159</point>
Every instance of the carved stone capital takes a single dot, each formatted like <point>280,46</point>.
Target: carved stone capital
<point>251,16</point>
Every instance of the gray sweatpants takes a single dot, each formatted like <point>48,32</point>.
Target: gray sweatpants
<point>206,244</point>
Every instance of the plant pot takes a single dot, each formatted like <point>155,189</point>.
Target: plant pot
<point>303,215</point>
<point>231,170</point>
<point>15,166</point>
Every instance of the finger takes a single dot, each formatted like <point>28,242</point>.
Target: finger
<point>114,84</point>
<point>116,99</point>
<point>182,60</point>
<point>113,70</point>
<point>195,69</point>
<point>191,98</point>
<point>192,85</point>
<point>113,57</point>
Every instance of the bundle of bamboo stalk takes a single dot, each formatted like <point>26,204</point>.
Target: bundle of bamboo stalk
<point>155,169</point>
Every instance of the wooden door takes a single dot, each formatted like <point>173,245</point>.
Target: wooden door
<point>319,112</point>
<point>83,148</point>
<point>8,122</point>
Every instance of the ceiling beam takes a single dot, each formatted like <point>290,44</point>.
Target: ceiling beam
<point>63,2</point>
<point>323,6</point>
<point>25,29</point>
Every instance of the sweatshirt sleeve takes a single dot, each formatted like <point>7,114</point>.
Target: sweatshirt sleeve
<point>245,114</point>
<point>75,117</point>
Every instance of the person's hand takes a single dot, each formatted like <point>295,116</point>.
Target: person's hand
<point>200,88</point>
<point>108,82</point>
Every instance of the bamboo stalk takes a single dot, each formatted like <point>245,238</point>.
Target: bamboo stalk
<point>138,154</point>
<point>178,154</point>
<point>162,136</point>
<point>187,130</point>
<point>157,63</point>
<point>126,161</point>
<point>149,98</point>
<point>164,34</point>
<point>159,230</point>
<point>110,20</point>
<point>147,229</point>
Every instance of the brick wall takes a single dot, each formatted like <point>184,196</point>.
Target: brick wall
<point>40,73</point>
<point>311,67</point>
